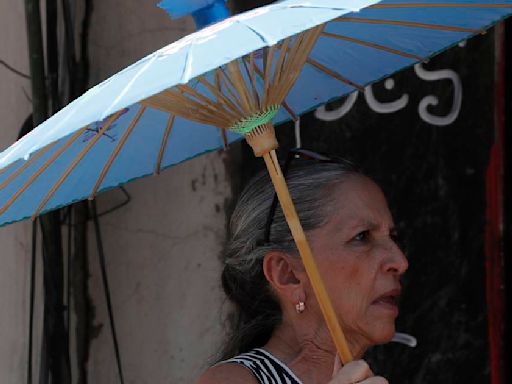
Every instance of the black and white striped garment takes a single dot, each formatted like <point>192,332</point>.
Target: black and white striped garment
<point>265,367</point>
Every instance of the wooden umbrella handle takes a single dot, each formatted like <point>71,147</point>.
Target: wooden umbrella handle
<point>307,257</point>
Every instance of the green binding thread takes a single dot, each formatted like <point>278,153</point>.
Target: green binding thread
<point>246,125</point>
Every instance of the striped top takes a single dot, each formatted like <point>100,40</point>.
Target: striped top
<point>265,367</point>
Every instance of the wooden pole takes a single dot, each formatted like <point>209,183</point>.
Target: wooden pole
<point>307,256</point>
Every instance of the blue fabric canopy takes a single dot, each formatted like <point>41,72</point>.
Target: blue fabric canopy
<point>363,41</point>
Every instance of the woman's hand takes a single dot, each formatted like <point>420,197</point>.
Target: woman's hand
<point>357,371</point>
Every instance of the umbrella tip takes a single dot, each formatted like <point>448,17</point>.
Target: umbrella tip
<point>204,12</point>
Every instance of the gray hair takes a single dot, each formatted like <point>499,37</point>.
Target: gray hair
<point>311,185</point>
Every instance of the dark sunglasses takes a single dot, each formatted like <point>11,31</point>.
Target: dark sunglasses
<point>303,154</point>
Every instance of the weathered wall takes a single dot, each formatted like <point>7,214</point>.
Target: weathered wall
<point>15,239</point>
<point>162,249</point>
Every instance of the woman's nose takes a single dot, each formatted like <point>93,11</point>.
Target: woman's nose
<point>395,260</point>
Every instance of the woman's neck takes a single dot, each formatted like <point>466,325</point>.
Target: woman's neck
<point>309,352</point>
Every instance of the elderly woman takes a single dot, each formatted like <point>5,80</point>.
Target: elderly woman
<point>280,335</point>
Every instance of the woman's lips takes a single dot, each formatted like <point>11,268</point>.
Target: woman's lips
<point>388,301</point>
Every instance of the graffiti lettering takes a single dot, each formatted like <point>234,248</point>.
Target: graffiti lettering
<point>322,113</point>
<point>431,100</point>
<point>390,107</point>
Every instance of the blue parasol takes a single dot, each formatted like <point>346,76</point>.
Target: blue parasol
<point>238,77</point>
<point>363,41</point>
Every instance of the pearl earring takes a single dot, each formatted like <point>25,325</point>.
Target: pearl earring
<point>300,307</point>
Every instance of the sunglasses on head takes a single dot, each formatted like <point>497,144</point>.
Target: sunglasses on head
<point>303,154</point>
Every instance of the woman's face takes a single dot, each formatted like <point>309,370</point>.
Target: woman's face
<point>360,262</point>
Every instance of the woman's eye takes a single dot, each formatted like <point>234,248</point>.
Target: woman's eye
<point>362,236</point>
<point>395,236</point>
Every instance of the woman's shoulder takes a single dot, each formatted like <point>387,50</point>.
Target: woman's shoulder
<point>227,373</point>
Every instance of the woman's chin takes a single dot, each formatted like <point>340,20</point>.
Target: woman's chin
<point>383,333</point>
<point>382,323</point>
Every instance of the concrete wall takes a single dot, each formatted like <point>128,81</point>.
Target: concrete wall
<point>15,239</point>
<point>162,252</point>
<point>162,249</point>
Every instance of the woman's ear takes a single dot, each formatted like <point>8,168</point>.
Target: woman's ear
<point>285,274</point>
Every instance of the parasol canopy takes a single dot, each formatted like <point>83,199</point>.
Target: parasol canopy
<point>362,42</point>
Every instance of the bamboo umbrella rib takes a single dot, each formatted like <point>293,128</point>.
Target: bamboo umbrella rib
<point>372,45</point>
<point>21,169</point>
<point>176,100</point>
<point>162,106</point>
<point>249,70</point>
<point>204,102</point>
<point>437,27</point>
<point>116,151</point>
<point>237,86</point>
<point>217,81</point>
<point>168,106</point>
<point>176,103</point>
<point>171,102</point>
<point>215,108</point>
<point>258,71</point>
<point>184,88</point>
<point>285,105</point>
<point>75,162</point>
<point>289,65</point>
<point>220,96</point>
<point>290,111</point>
<point>5,169</point>
<point>194,115</point>
<point>297,57</point>
<point>235,74</point>
<point>253,65</point>
<point>283,50</point>
<point>250,84</point>
<point>295,52</point>
<point>310,40</point>
<point>41,170</point>
<point>268,69</point>
<point>226,81</point>
<point>439,5</point>
<point>292,52</point>
<point>156,102</point>
<point>335,75</point>
<point>235,77</point>
<point>167,132</point>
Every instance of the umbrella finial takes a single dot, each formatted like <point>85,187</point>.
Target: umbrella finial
<point>204,12</point>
